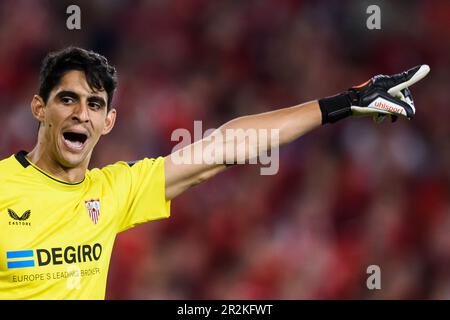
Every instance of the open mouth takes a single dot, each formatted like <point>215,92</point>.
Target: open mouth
<point>75,140</point>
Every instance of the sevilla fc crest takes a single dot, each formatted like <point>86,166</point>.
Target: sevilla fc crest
<point>93,208</point>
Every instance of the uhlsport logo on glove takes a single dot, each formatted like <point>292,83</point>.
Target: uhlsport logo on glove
<point>381,104</point>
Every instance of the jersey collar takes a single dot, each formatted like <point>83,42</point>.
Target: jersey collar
<point>21,158</point>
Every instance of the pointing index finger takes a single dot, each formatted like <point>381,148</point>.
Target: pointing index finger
<point>412,76</point>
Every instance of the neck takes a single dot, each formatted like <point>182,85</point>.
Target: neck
<point>44,159</point>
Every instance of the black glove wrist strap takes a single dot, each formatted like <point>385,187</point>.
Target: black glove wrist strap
<point>336,107</point>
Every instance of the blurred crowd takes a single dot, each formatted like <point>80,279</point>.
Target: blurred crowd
<point>347,196</point>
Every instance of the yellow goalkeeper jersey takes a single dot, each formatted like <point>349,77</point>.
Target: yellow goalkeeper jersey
<point>56,238</point>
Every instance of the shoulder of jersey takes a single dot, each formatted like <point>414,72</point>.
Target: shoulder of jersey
<point>9,166</point>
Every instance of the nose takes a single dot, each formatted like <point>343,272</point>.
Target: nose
<point>81,112</point>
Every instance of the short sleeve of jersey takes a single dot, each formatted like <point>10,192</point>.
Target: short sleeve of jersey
<point>139,191</point>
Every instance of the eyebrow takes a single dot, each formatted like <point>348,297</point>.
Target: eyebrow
<point>74,95</point>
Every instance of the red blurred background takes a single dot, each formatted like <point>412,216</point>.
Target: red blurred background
<point>346,196</point>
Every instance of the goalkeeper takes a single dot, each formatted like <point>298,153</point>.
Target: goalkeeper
<point>59,219</point>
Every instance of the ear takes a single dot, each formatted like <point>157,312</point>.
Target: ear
<point>38,108</point>
<point>109,121</point>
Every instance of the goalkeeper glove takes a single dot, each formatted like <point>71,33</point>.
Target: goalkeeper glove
<point>378,97</point>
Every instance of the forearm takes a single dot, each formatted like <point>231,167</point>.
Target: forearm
<point>248,136</point>
<point>290,123</point>
<point>207,157</point>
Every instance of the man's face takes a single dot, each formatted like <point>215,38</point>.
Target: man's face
<point>73,119</point>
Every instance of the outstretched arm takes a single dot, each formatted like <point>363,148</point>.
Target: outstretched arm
<point>379,97</point>
<point>290,123</point>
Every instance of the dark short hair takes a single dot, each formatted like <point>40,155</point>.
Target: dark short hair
<point>99,74</point>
